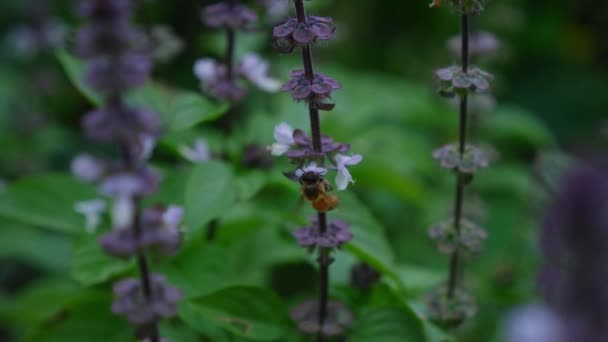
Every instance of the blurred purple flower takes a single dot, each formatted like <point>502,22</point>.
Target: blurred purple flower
<point>573,241</point>
<point>87,168</point>
<point>111,124</point>
<point>139,310</point>
<point>159,231</point>
<point>335,236</point>
<point>118,73</point>
<point>229,15</point>
<point>338,318</point>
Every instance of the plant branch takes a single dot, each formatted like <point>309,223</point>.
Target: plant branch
<point>131,162</point>
<point>460,181</point>
<point>315,127</point>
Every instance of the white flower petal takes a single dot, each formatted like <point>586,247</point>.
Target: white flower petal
<point>148,143</point>
<point>283,134</point>
<point>255,69</point>
<point>343,177</point>
<point>205,69</point>
<point>86,168</point>
<point>122,212</point>
<point>277,149</point>
<point>198,153</point>
<point>267,84</point>
<point>91,210</point>
<point>348,160</point>
<point>312,167</point>
<point>173,216</point>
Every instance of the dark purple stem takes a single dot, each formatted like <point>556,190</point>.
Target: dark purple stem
<point>460,181</point>
<point>230,44</point>
<point>132,164</point>
<point>315,128</point>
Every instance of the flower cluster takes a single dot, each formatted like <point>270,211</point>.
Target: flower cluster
<point>469,162</point>
<point>338,319</point>
<point>220,84</point>
<point>229,15</point>
<point>335,236</point>
<point>481,43</point>
<point>468,6</point>
<point>470,237</point>
<point>451,310</point>
<point>450,304</point>
<point>314,92</point>
<point>310,154</point>
<point>224,81</point>
<point>159,232</point>
<point>573,241</point>
<point>453,80</point>
<point>363,276</point>
<point>131,301</point>
<point>291,34</point>
<point>116,63</point>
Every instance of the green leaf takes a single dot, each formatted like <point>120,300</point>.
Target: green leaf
<point>387,325</point>
<point>255,313</point>
<point>40,301</point>
<point>199,270</point>
<point>47,201</point>
<point>369,243</point>
<point>210,191</point>
<point>45,249</point>
<point>88,320</point>
<point>75,69</point>
<point>516,126</point>
<point>90,265</point>
<point>190,109</point>
<point>178,109</point>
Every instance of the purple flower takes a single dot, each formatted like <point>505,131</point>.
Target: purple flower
<point>159,231</point>
<point>215,81</point>
<point>573,240</point>
<point>314,92</point>
<point>227,15</point>
<point>99,38</point>
<point>118,73</point>
<point>110,124</point>
<point>105,9</point>
<point>303,147</point>
<point>87,168</point>
<point>335,236</point>
<point>139,310</point>
<point>291,33</point>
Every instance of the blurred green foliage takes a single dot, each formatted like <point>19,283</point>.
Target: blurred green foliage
<point>55,280</point>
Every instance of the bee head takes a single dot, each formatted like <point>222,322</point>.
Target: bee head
<point>310,177</point>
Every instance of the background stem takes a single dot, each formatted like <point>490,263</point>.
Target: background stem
<point>460,180</point>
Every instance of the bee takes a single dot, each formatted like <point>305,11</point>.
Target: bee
<point>314,188</point>
<point>435,3</point>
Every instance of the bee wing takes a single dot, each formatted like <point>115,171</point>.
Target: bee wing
<point>327,186</point>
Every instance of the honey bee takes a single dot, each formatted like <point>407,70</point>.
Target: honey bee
<point>435,3</point>
<point>314,188</point>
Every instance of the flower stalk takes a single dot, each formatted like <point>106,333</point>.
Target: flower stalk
<point>460,179</point>
<point>450,305</point>
<point>315,129</point>
<point>116,63</point>
<point>321,317</point>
